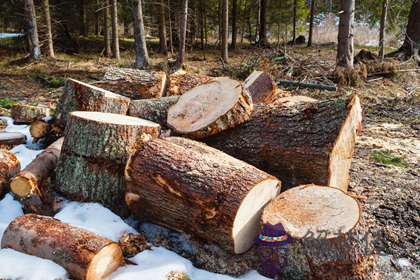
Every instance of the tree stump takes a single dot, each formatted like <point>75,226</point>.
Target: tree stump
<point>79,96</point>
<point>307,142</point>
<point>85,256</point>
<point>181,82</point>
<point>95,151</point>
<point>261,87</point>
<point>22,113</point>
<point>134,83</point>
<point>330,238</point>
<point>9,167</point>
<point>8,140</point>
<point>189,187</point>
<point>219,104</point>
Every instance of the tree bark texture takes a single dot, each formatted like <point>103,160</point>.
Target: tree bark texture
<point>345,48</point>
<point>46,6</point>
<point>234,26</point>
<point>225,31</point>
<point>142,57</point>
<point>9,167</point>
<point>22,113</point>
<point>8,140</point>
<point>263,23</point>
<point>83,254</point>
<point>411,46</point>
<point>134,83</point>
<point>382,30</point>
<point>162,27</point>
<point>311,25</point>
<point>83,18</point>
<point>181,82</point>
<point>114,17</point>
<point>261,87</point>
<point>78,96</point>
<point>182,32</point>
<point>189,187</point>
<point>34,49</point>
<point>106,30</point>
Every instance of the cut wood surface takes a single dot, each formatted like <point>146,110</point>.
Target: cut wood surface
<point>134,83</point>
<point>299,144</point>
<point>22,113</point>
<point>219,104</point>
<point>3,125</point>
<point>9,167</point>
<point>181,82</point>
<point>262,87</point>
<point>8,140</point>
<point>339,247</point>
<point>85,256</point>
<point>294,99</point>
<point>94,154</point>
<point>187,186</point>
<point>79,96</point>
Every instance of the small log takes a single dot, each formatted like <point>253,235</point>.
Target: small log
<point>3,125</point>
<point>293,99</point>
<point>306,85</point>
<point>9,167</point>
<point>85,256</point>
<point>262,87</point>
<point>189,187</point>
<point>134,83</point>
<point>22,113</point>
<point>219,104</point>
<point>330,238</point>
<point>180,82</point>
<point>8,140</point>
<point>79,96</point>
<point>94,154</point>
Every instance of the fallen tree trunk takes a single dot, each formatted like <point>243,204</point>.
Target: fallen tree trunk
<point>94,154</point>
<point>219,104</point>
<point>22,113</point>
<point>261,87</point>
<point>85,256</point>
<point>8,140</point>
<point>134,83</point>
<point>306,85</point>
<point>180,82</point>
<point>9,167</point>
<point>190,187</point>
<point>330,238</point>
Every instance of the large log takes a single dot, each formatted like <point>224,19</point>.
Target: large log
<point>85,256</point>
<point>79,96</point>
<point>261,87</point>
<point>8,140</point>
<point>219,104</point>
<point>94,154</point>
<point>299,144</point>
<point>9,167</point>
<point>134,83</point>
<point>330,238</point>
<point>189,187</point>
<point>22,113</point>
<point>180,82</point>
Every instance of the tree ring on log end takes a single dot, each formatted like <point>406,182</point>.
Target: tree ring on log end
<point>113,118</point>
<point>105,262</point>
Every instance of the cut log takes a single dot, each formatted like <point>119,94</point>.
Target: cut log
<point>262,87</point>
<point>134,83</point>
<point>39,129</point>
<point>85,256</point>
<point>8,140</point>
<point>181,82</point>
<point>299,144</point>
<point>219,104</point>
<point>9,167</point>
<point>3,125</point>
<point>22,113</point>
<point>78,96</point>
<point>189,187</point>
<point>294,99</point>
<point>330,238</point>
<point>94,154</point>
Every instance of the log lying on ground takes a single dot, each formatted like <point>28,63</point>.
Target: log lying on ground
<point>330,238</point>
<point>180,82</point>
<point>219,104</point>
<point>294,99</point>
<point>85,256</point>
<point>187,186</point>
<point>94,154</point>
<point>299,144</point>
<point>134,83</point>
<point>8,140</point>
<point>3,125</point>
<point>9,167</point>
<point>22,113</point>
<point>79,96</point>
<point>261,87</point>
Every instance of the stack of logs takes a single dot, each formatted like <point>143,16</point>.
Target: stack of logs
<point>132,151</point>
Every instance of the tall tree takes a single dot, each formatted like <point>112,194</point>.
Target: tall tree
<point>182,34</point>
<point>46,6</point>
<point>142,58</point>
<point>345,48</point>
<point>106,29</point>
<point>83,25</point>
<point>382,30</point>
<point>34,50</point>
<point>311,25</point>
<point>411,45</point>
<point>225,31</point>
<point>96,17</point>
<point>263,23</point>
<point>234,27</point>
<point>115,43</point>
<point>294,20</point>
<point>170,28</point>
<point>162,27</point>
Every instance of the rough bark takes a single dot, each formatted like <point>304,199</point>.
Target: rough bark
<point>261,87</point>
<point>182,32</point>
<point>114,18</point>
<point>345,48</point>
<point>9,167</point>
<point>94,154</point>
<point>34,49</point>
<point>22,113</point>
<point>219,104</point>
<point>142,57</point>
<point>311,24</point>
<point>106,30</point>
<point>83,254</point>
<point>134,83</point>
<point>181,82</point>
<point>225,31</point>
<point>162,27</point>
<point>78,96</point>
<point>339,247</point>
<point>8,140</point>
<point>190,187</point>
<point>46,6</point>
<point>382,30</point>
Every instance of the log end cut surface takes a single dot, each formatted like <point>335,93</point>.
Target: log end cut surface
<point>113,119</point>
<point>105,262</point>
<point>22,186</point>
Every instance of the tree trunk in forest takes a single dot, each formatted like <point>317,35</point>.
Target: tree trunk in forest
<point>382,30</point>
<point>190,187</point>
<point>193,23</point>
<point>170,28</point>
<point>22,113</point>
<point>142,57</point>
<point>8,140</point>
<point>311,25</point>
<point>261,87</point>
<point>162,27</point>
<point>84,255</point>
<point>202,13</point>
<point>234,26</point>
<point>34,49</point>
<point>182,32</point>
<point>263,24</point>
<point>294,21</point>
<point>114,17</point>
<point>345,48</point>
<point>225,31</point>
<point>106,30</point>
<point>258,23</point>
<point>94,154</point>
<point>97,31</point>
<point>83,23</point>
<point>180,82</point>
<point>330,238</point>
<point>9,167</point>
<point>46,6</point>
<point>279,26</point>
<point>212,107</point>
<point>219,21</point>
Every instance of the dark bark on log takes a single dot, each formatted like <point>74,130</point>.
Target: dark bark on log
<point>181,82</point>
<point>22,113</point>
<point>83,254</point>
<point>262,87</point>
<point>190,187</point>
<point>9,167</point>
<point>8,140</point>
